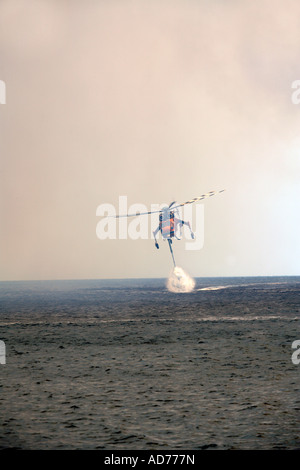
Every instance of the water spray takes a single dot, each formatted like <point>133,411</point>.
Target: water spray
<point>180,281</point>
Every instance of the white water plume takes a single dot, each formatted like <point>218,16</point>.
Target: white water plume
<point>180,281</point>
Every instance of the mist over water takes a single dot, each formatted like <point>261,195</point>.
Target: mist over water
<point>180,281</point>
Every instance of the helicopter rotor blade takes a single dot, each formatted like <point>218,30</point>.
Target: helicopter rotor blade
<point>136,214</point>
<point>195,199</point>
<point>203,196</point>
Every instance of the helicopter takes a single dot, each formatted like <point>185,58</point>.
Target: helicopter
<point>169,221</point>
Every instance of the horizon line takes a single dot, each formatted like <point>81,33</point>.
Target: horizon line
<point>144,278</point>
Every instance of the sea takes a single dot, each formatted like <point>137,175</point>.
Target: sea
<point>126,364</point>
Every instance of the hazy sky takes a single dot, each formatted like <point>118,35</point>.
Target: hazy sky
<point>156,100</point>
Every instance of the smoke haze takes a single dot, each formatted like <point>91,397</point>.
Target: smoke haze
<point>158,101</point>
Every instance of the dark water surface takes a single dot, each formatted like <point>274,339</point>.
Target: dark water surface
<point>125,364</point>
